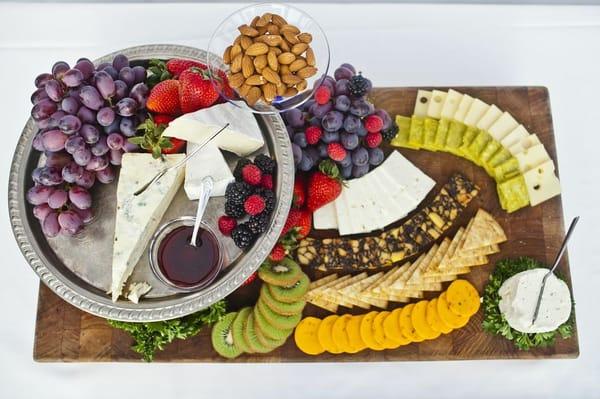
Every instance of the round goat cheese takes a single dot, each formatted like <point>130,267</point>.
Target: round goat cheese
<point>518,298</point>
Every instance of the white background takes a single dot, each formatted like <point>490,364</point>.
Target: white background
<point>395,45</point>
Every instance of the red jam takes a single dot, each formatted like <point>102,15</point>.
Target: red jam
<point>186,265</point>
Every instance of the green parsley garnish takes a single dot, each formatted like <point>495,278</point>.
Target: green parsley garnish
<point>494,321</point>
<point>150,337</point>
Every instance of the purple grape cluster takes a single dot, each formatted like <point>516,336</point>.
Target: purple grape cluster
<point>341,120</point>
<point>85,114</point>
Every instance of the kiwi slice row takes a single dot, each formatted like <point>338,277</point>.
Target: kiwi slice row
<point>266,326</point>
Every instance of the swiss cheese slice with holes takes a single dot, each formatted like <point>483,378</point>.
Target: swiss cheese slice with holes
<point>422,103</point>
<point>436,103</point>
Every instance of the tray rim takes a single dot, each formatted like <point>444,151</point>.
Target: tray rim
<point>102,306</point>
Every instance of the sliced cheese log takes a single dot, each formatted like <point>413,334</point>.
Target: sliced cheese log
<point>515,136</point>
<point>503,126</point>
<point>451,103</point>
<point>422,103</point>
<point>463,108</point>
<point>436,103</point>
<point>532,157</point>
<point>476,111</point>
<point>492,114</point>
<point>542,184</point>
<point>325,217</point>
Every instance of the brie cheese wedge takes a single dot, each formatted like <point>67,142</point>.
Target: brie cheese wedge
<point>208,162</point>
<point>139,216</point>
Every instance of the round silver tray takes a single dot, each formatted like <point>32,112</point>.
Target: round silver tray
<point>78,268</point>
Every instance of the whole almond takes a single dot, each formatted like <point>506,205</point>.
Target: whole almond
<point>227,55</point>
<point>261,30</point>
<point>253,95</point>
<point>290,92</point>
<point>285,46</point>
<point>310,57</point>
<point>305,37</point>
<point>289,28</point>
<point>243,90</point>
<point>278,20</point>
<point>273,29</point>
<point>269,91</point>
<point>248,31</point>
<point>245,42</point>
<point>290,37</point>
<point>264,20</point>
<point>276,50</point>
<point>256,80</point>
<point>284,70</point>
<point>254,21</point>
<point>236,63</point>
<point>272,60</point>
<point>302,85</point>
<point>281,89</point>
<point>307,72</point>
<point>290,79</point>
<point>297,65</point>
<point>286,58</point>
<point>260,61</point>
<point>235,50</point>
<point>237,40</point>
<point>299,48</point>
<point>236,80</point>
<point>257,49</point>
<point>271,76</point>
<point>271,40</point>
<point>247,66</point>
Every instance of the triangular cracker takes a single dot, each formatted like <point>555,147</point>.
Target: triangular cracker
<point>484,231</point>
<point>401,281</point>
<point>418,274</point>
<point>445,262</point>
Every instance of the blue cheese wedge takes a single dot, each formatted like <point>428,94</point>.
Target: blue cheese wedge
<point>139,216</point>
<point>208,162</point>
<point>518,298</point>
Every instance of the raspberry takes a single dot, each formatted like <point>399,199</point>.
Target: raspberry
<point>254,204</point>
<point>226,224</point>
<point>250,279</point>
<point>267,181</point>
<point>373,123</point>
<point>336,151</point>
<point>322,95</point>
<point>313,134</point>
<point>251,174</point>
<point>277,253</point>
<point>373,140</point>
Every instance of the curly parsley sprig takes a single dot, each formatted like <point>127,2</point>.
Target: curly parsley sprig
<point>494,321</point>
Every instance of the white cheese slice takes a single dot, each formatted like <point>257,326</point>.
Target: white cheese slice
<point>463,107</point>
<point>208,162</point>
<point>491,115</point>
<point>524,143</point>
<point>503,126</point>
<point>400,196</point>
<point>137,290</point>
<point>451,103</point>
<point>343,216</point>
<point>139,216</point>
<point>436,103</point>
<point>359,196</point>
<point>422,103</point>
<point>518,299</point>
<point>325,217</point>
<point>532,157</point>
<point>541,182</point>
<point>389,189</point>
<point>242,137</point>
<point>512,138</point>
<point>475,113</point>
<point>416,183</point>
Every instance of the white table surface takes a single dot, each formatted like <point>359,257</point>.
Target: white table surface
<point>394,45</point>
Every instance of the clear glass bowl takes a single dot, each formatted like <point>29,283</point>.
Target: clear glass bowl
<point>227,31</point>
<point>161,233</point>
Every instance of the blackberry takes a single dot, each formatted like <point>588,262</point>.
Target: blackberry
<point>265,164</point>
<point>237,192</point>
<point>258,223</point>
<point>389,133</point>
<point>242,236</point>
<point>237,171</point>
<point>269,197</point>
<point>234,210</point>
<point>358,85</point>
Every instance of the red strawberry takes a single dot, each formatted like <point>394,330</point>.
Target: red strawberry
<point>164,98</point>
<point>177,65</point>
<point>373,140</point>
<point>322,95</point>
<point>251,174</point>
<point>267,181</point>
<point>291,221</point>
<point>177,146</point>
<point>277,253</point>
<point>250,279</point>
<point>196,90</point>
<point>313,134</point>
<point>336,151</point>
<point>160,119</point>
<point>373,123</point>
<point>304,223</point>
<point>324,186</point>
<point>223,84</point>
<point>299,193</point>
<point>254,204</point>
<point>226,224</point>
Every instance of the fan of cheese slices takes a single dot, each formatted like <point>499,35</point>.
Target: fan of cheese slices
<point>443,262</point>
<point>468,127</point>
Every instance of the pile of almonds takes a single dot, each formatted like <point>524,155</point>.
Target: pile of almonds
<point>269,58</point>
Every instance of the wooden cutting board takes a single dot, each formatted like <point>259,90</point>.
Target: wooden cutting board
<point>64,333</point>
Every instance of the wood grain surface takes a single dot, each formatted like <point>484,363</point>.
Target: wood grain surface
<point>66,334</point>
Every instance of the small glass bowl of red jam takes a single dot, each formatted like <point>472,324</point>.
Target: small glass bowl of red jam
<point>181,265</point>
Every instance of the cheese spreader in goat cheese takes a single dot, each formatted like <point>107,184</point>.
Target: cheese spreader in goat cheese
<point>518,298</point>
<point>139,216</point>
<point>208,162</point>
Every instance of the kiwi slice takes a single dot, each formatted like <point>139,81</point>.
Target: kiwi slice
<point>284,273</point>
<point>237,329</point>
<point>292,293</point>
<point>278,321</point>
<point>283,308</point>
<point>266,340</point>
<point>250,336</point>
<point>222,337</point>
<point>267,329</point>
